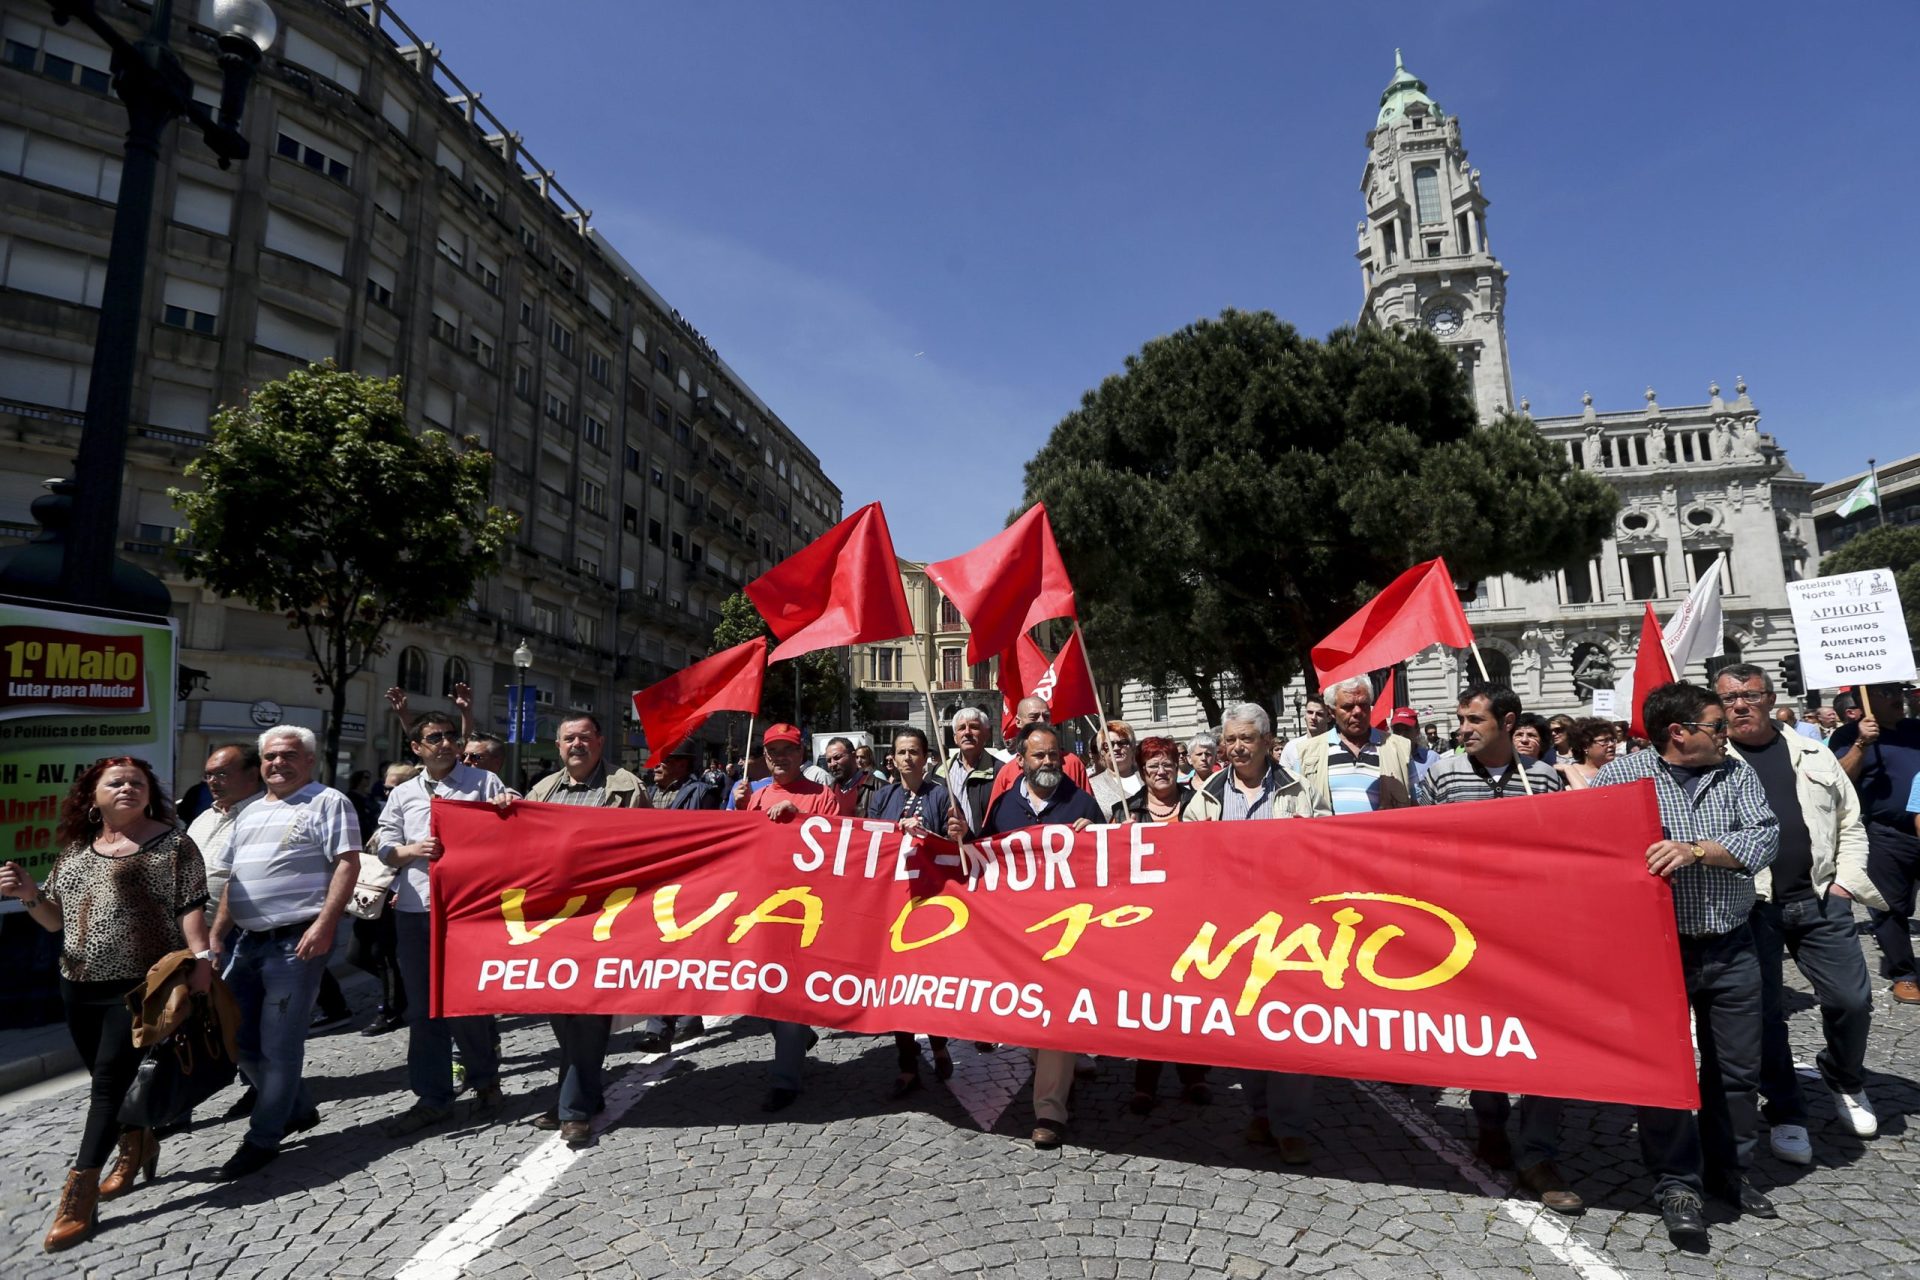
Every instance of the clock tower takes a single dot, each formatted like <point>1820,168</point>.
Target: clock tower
<point>1423,247</point>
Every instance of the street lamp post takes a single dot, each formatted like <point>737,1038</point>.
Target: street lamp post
<point>522,659</point>
<point>148,77</point>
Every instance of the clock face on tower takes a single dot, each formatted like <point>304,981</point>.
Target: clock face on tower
<point>1444,318</point>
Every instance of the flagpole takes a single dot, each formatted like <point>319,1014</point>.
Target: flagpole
<point>1479,661</point>
<point>1879,507</point>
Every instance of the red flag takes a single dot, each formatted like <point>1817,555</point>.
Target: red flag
<point>1651,669</point>
<point>841,588</point>
<point>1008,584</point>
<point>1065,682</point>
<point>1383,705</point>
<point>728,681</point>
<point>1416,609</point>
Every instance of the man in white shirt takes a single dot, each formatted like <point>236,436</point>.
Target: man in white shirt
<point>405,841</point>
<point>232,775</point>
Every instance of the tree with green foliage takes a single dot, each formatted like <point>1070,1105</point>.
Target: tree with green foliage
<point>1239,490</point>
<point>316,501</point>
<point>823,688</point>
<point>1895,547</point>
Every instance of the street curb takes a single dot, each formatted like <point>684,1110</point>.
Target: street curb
<point>22,1072</point>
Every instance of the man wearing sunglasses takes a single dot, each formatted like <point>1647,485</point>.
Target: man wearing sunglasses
<point>405,840</point>
<point>1717,833</point>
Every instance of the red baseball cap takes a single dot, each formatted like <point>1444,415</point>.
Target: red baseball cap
<point>780,733</point>
<point>1407,716</point>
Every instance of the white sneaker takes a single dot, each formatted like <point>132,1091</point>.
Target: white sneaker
<point>1789,1142</point>
<point>1856,1113</point>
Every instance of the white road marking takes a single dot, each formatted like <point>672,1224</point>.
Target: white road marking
<point>447,1255</point>
<point>985,1083</point>
<point>1540,1222</point>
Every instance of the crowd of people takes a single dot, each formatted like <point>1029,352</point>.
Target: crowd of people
<point>1770,834</point>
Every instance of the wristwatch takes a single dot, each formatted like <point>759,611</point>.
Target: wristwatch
<point>1699,854</point>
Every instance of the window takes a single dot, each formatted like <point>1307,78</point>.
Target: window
<point>599,368</point>
<point>662,361</point>
<point>439,405</point>
<point>177,406</point>
<point>1700,564</point>
<point>449,158</point>
<point>529,237</point>
<point>453,675</point>
<point>681,430</point>
<point>1159,708</point>
<point>486,195</point>
<point>593,497</point>
<point>198,205</point>
<point>653,532</point>
<point>413,670</point>
<point>662,418</point>
<point>883,664</point>
<point>1426,194</point>
<point>59,273</point>
<point>316,153</point>
<point>380,282</point>
<point>586,627</point>
<point>489,272</point>
<point>1644,575</point>
<point>38,158</point>
<point>387,198</point>
<point>316,57</point>
<point>188,304</point>
<point>559,337</point>
<point>1580,583</point>
<point>559,408</point>
<point>600,300</point>
<point>593,431</point>
<point>630,518</point>
<point>526,313</point>
<point>546,619</point>
<point>659,479</point>
<point>631,457</point>
<point>58,55</point>
<point>949,615</point>
<point>395,112</point>
<point>446,323</point>
<point>587,565</point>
<point>698,554</point>
<point>680,488</point>
<point>38,380</point>
<point>298,238</point>
<point>480,347</point>
<point>951,664</point>
<point>523,381</point>
<point>452,244</point>
<point>279,330</point>
<point>565,270</point>
<point>678,546</point>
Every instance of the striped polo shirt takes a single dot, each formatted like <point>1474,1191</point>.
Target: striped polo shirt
<point>284,852</point>
<point>1353,777</point>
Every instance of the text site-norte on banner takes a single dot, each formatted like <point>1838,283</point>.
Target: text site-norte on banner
<point>1370,946</point>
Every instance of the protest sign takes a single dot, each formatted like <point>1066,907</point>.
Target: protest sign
<point>1516,945</point>
<point>1850,630</point>
<point>77,687</point>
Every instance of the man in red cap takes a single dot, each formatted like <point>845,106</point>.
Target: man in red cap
<point>788,796</point>
<point>1405,723</point>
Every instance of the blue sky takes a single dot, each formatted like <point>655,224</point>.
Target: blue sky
<point>922,232</point>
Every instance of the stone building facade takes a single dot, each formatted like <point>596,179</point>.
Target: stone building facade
<point>1698,483</point>
<point>388,220</point>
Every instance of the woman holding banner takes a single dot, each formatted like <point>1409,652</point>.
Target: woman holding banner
<point>127,888</point>
<point>1162,799</point>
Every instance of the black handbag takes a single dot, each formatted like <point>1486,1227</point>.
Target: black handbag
<point>180,1072</point>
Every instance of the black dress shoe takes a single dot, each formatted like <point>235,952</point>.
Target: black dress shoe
<point>1685,1217</point>
<point>1745,1197</point>
<point>779,1099</point>
<point>304,1121</point>
<point>653,1042</point>
<point>248,1159</point>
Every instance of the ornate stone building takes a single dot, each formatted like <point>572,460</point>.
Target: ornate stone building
<point>388,220</point>
<point>1697,482</point>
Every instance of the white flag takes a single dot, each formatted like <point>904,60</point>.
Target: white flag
<point>1698,631</point>
<point>1865,494</point>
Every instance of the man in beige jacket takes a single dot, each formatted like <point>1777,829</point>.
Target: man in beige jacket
<point>1804,908</point>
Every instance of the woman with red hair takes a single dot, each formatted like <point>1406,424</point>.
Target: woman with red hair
<point>127,887</point>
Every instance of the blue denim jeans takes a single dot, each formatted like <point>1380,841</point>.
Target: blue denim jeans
<point>583,1054</point>
<point>430,1040</point>
<point>275,989</point>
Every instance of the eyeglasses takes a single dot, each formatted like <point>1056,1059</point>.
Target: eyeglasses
<point>1718,728</point>
<point>472,757</point>
<point>1745,697</point>
<point>439,739</point>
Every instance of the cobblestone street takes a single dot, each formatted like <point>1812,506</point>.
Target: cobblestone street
<point>687,1177</point>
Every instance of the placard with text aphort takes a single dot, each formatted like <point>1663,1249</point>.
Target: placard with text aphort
<point>76,687</point>
<point>1851,630</point>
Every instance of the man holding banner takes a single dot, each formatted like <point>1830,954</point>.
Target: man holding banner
<point>1881,753</point>
<point>1719,832</point>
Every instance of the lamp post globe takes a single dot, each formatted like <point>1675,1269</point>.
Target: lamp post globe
<point>522,659</point>
<point>249,20</point>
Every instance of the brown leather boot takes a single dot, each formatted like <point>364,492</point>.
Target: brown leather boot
<point>139,1153</point>
<point>77,1215</point>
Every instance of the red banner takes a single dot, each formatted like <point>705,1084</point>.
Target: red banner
<point>1516,945</point>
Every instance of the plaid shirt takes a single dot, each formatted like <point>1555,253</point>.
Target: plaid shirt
<point>1729,807</point>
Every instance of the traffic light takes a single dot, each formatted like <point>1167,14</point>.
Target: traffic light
<point>1790,675</point>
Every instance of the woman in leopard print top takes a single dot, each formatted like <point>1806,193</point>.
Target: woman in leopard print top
<point>127,888</point>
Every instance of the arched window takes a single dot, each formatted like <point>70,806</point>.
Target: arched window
<point>1426,194</point>
<point>413,670</point>
<point>1499,668</point>
<point>455,672</point>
